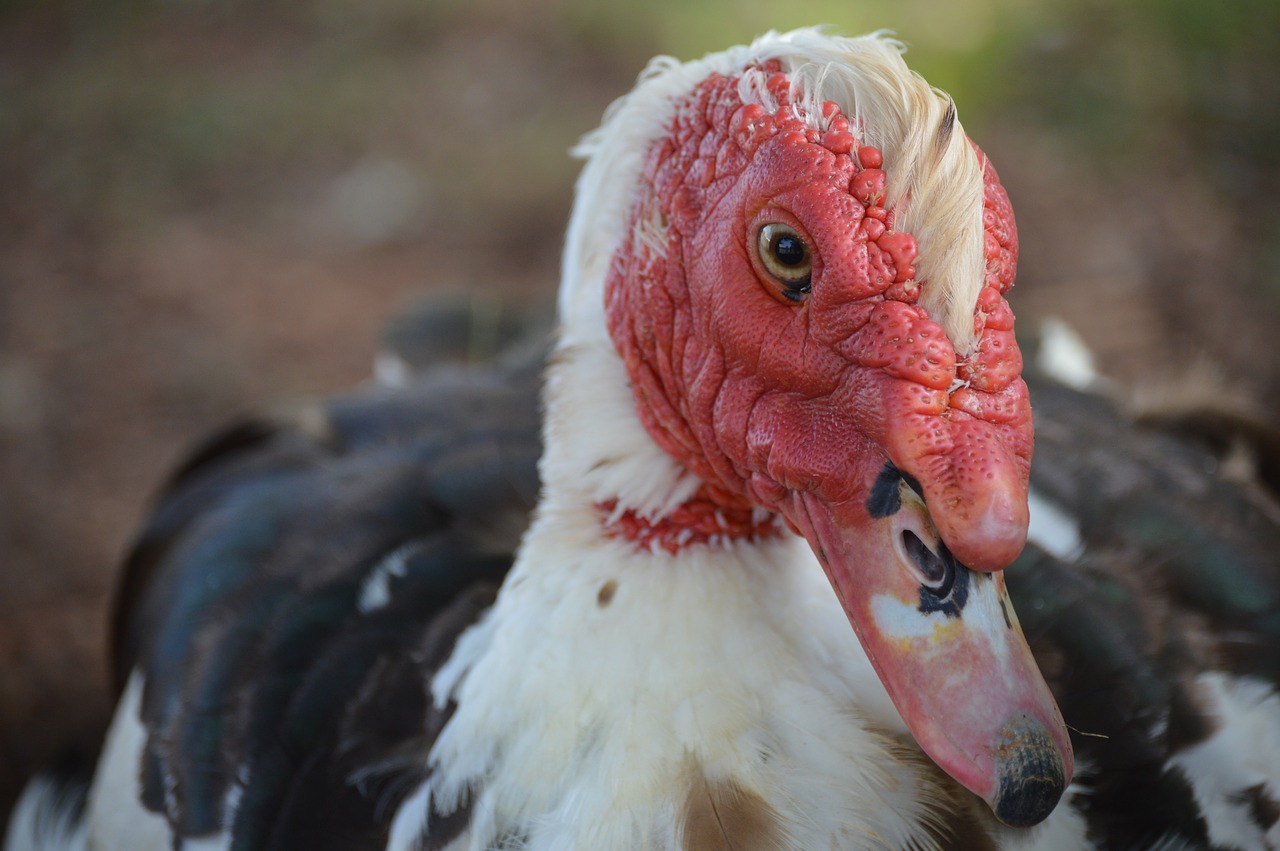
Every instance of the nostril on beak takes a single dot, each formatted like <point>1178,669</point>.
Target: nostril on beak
<point>938,569</point>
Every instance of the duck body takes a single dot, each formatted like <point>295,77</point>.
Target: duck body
<point>412,632</point>
<point>356,714</point>
<point>428,617</point>
<point>384,693</point>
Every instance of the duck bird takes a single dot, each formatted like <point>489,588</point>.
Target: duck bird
<point>761,599</point>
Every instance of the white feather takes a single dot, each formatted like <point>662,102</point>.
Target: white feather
<point>44,820</point>
<point>1052,528</point>
<point>217,842</point>
<point>375,591</point>
<point>1235,758</point>
<point>116,816</point>
<point>1064,356</point>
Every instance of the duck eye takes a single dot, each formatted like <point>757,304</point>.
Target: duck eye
<point>786,258</point>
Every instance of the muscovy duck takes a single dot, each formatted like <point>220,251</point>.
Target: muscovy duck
<point>784,463</point>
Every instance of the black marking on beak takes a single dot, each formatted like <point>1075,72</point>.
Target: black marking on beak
<point>885,499</point>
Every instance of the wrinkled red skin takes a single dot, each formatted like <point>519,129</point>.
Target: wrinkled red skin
<point>761,396</point>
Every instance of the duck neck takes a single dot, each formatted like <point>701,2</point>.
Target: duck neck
<point>600,462</point>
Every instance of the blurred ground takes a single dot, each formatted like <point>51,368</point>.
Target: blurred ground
<point>209,207</point>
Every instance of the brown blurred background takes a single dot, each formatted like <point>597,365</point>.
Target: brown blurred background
<point>210,206</point>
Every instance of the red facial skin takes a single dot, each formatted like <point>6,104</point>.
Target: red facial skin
<point>798,405</point>
<point>760,396</point>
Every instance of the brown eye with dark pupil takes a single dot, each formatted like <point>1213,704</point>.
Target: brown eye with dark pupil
<point>786,257</point>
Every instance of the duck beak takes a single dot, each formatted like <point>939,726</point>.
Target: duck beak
<point>946,644</point>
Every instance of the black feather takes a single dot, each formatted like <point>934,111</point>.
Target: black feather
<point>267,678</point>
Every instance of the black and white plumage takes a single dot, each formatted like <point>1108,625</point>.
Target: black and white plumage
<point>298,585</point>
<point>1154,650</point>
<point>1154,618</point>
<point>311,656</point>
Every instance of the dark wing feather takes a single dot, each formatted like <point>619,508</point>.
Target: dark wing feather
<point>297,587</point>
<point>1178,574</point>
